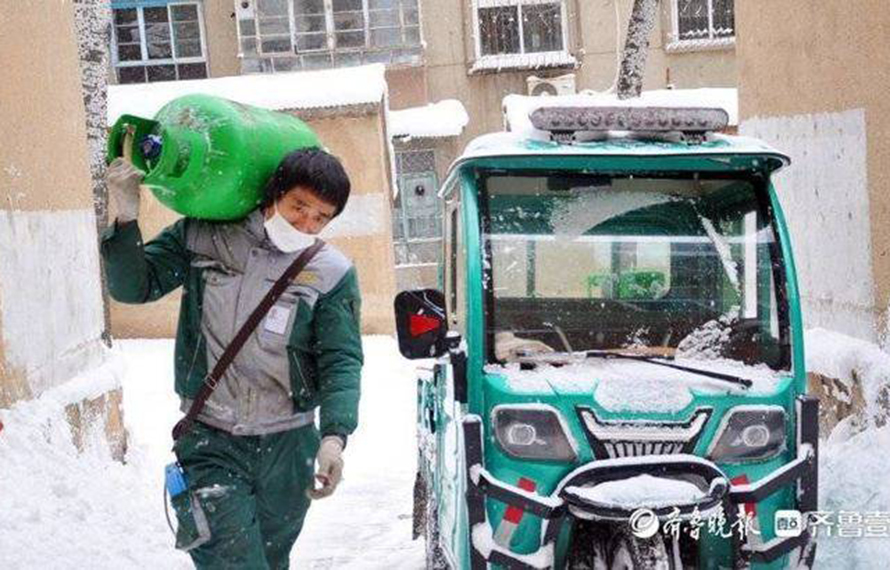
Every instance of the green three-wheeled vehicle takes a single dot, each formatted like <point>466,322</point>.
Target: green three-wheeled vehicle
<point>618,371</point>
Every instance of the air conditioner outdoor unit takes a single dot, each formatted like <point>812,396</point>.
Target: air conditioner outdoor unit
<point>562,85</point>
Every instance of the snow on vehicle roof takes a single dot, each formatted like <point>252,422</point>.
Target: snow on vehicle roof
<point>446,118</point>
<point>538,143</point>
<point>277,91</point>
<point>522,139</point>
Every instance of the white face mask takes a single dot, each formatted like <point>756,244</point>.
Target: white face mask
<point>284,236</point>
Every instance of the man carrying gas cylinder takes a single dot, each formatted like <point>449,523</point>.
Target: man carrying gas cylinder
<point>268,333</point>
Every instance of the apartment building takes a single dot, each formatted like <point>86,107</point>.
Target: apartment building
<point>473,51</point>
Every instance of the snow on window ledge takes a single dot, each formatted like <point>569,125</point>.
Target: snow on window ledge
<point>518,61</point>
<point>704,44</point>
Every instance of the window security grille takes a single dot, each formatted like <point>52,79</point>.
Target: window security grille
<point>158,43</point>
<point>703,22</point>
<point>283,35</point>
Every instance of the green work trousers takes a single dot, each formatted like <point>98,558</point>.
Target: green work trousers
<point>252,490</point>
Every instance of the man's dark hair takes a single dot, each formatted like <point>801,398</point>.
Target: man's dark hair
<point>313,168</point>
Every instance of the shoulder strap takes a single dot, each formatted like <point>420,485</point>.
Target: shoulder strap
<point>212,380</point>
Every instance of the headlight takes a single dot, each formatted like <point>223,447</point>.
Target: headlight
<point>749,433</point>
<point>533,431</point>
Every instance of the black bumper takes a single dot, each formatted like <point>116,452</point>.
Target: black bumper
<point>558,507</point>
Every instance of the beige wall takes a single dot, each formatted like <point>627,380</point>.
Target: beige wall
<point>221,38</point>
<point>814,79</point>
<point>363,231</point>
<point>50,296</point>
<point>407,87</point>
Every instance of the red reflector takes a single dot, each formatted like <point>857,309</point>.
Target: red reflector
<point>750,508</point>
<point>420,324</point>
<point>514,514</point>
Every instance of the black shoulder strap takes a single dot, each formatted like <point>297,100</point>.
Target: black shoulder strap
<point>212,380</point>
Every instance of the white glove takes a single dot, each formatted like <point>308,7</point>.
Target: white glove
<point>123,181</point>
<point>330,467</point>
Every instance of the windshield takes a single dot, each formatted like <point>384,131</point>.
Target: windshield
<point>669,266</point>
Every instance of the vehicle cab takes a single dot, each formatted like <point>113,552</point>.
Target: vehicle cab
<point>618,376</point>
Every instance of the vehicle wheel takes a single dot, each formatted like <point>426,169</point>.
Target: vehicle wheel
<point>435,558</point>
<point>418,515</point>
<point>631,553</point>
<point>588,550</point>
<point>594,559</point>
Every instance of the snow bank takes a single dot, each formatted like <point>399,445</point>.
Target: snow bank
<point>518,107</point>
<point>443,119</point>
<point>63,509</point>
<point>853,479</point>
<point>851,360</point>
<point>60,509</point>
<point>852,468</point>
<point>297,90</point>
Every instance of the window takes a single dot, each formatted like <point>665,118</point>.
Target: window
<point>282,35</point>
<point>678,265</point>
<point>417,211</point>
<point>520,33</point>
<point>703,23</point>
<point>158,42</point>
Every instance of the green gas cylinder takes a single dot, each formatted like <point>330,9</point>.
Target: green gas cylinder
<point>208,157</point>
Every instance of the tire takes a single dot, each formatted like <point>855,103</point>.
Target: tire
<point>595,559</point>
<point>588,550</point>
<point>435,557</point>
<point>631,553</point>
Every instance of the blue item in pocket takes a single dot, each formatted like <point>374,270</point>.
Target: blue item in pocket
<point>175,480</point>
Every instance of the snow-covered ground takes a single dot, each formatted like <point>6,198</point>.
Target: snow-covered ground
<point>61,510</point>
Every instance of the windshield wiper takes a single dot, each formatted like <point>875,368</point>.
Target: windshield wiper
<point>653,360</point>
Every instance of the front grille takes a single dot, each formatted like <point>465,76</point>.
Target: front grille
<point>635,438</point>
<point>638,448</point>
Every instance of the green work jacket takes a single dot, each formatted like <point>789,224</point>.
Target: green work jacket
<point>307,352</point>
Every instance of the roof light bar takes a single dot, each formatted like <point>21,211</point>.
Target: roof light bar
<point>692,121</point>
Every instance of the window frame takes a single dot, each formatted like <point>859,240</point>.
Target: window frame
<point>523,55</point>
<point>145,61</point>
<point>450,258</point>
<point>676,43</point>
<point>331,33</point>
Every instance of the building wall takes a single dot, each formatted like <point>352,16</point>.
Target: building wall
<point>596,32</point>
<point>829,111</point>
<point>363,231</point>
<point>50,294</point>
<point>221,37</point>
<point>595,36</point>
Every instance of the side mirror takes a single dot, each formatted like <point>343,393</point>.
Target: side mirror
<point>420,323</point>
